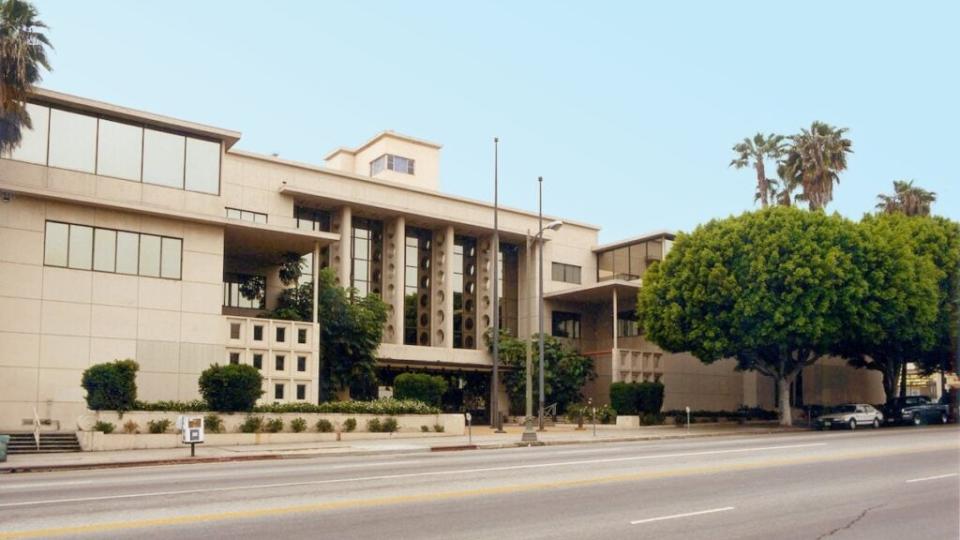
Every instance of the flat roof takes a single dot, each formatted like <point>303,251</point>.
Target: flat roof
<point>661,233</point>
<point>52,97</point>
<point>596,292</point>
<point>377,137</point>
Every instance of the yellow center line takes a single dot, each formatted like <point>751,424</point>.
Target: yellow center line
<point>477,492</point>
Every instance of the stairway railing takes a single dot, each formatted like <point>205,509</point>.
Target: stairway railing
<point>36,428</point>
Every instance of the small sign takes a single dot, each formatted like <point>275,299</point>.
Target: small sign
<point>469,417</point>
<point>192,428</point>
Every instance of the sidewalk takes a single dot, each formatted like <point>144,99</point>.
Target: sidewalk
<point>483,437</point>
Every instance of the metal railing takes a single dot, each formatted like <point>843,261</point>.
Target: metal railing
<point>36,428</point>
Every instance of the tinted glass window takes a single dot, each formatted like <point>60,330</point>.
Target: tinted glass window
<point>81,247</point>
<point>163,158</point>
<point>202,166</point>
<point>170,259</point>
<point>119,149</point>
<point>149,255</point>
<point>128,249</point>
<point>104,250</point>
<point>33,142</point>
<point>55,244</point>
<point>73,141</point>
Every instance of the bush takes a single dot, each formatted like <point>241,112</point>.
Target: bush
<point>324,426</point>
<point>420,387</point>
<point>605,414</point>
<point>274,425</point>
<point>253,424</point>
<point>197,405</point>
<point>390,425</point>
<point>213,423</point>
<point>374,425</point>
<point>131,427</point>
<point>651,419</point>
<point>158,426</point>
<point>233,387</point>
<point>298,425</point>
<point>350,424</point>
<point>636,398</point>
<point>424,429</point>
<point>438,428</point>
<point>380,406</point>
<point>105,427</point>
<point>111,386</point>
<point>623,398</point>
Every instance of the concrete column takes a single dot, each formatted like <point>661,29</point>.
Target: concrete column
<point>616,315</point>
<point>394,248</point>
<point>340,255</point>
<point>273,287</point>
<point>484,289</point>
<point>442,287</point>
<point>316,280</point>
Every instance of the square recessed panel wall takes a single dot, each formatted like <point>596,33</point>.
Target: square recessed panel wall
<point>163,158</point>
<point>119,150</point>
<point>73,141</point>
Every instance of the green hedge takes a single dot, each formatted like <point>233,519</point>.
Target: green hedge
<point>197,405</point>
<point>111,386</point>
<point>420,387</point>
<point>379,406</point>
<point>636,398</point>
<point>230,388</point>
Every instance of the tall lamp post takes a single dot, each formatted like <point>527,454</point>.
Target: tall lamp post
<point>553,225</point>
<point>495,386</point>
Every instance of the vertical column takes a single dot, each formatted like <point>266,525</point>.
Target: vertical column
<point>616,323</point>
<point>442,285</point>
<point>340,256</point>
<point>484,289</point>
<point>316,279</point>
<point>394,247</point>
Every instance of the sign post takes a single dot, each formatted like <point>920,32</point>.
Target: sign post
<point>191,428</point>
<point>688,417</point>
<point>469,427</point>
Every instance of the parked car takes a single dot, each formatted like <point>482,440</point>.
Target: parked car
<point>915,410</point>
<point>849,416</point>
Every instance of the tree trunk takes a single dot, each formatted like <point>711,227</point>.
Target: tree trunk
<point>890,382</point>
<point>786,414</point>
<point>903,380</point>
<point>762,183</point>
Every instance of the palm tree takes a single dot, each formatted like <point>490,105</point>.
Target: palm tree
<point>753,152</point>
<point>907,198</point>
<point>23,51</point>
<point>815,159</point>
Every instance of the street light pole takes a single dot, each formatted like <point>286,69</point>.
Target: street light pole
<point>495,385</point>
<point>540,294</point>
<point>529,434</point>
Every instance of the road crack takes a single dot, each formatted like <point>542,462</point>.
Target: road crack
<point>852,522</point>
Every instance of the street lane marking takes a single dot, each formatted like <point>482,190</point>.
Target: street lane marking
<point>951,475</point>
<point>406,475</point>
<point>351,504</point>
<point>688,514</point>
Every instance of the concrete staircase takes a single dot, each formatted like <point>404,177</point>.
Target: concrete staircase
<point>24,443</point>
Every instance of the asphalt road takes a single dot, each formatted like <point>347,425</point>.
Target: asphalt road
<point>889,483</point>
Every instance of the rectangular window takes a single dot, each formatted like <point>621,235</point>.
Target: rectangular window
<point>202,171</point>
<point>105,250</point>
<point>301,391</point>
<point>234,330</point>
<point>149,255</point>
<point>365,269</point>
<point>393,163</point>
<point>81,247</point>
<point>128,252</point>
<point>258,361</point>
<point>565,324</point>
<point>627,325</point>
<point>234,358</point>
<point>301,363</point>
<point>163,158</point>
<point>258,333</point>
<point>234,286</point>
<point>246,215</point>
<point>119,150</point>
<point>378,165</point>
<point>73,141</point>
<point>281,334</point>
<point>279,362</point>
<point>170,251</point>
<point>312,219</point>
<point>278,391</point>
<point>567,273</point>
<point>301,335</point>
<point>56,244</point>
<point>33,141</point>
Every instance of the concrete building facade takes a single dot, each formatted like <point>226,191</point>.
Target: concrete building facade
<point>126,234</point>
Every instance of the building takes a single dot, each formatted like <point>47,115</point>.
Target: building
<point>126,234</point>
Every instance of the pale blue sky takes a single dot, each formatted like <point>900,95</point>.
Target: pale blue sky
<point>628,109</point>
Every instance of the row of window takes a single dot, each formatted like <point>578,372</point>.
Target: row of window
<point>279,337</point>
<point>89,144</point>
<point>567,273</point>
<point>391,162</point>
<point>246,215</point>
<point>628,262</point>
<point>280,361</point>
<point>108,250</point>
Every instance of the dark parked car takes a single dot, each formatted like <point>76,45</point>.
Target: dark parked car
<point>914,410</point>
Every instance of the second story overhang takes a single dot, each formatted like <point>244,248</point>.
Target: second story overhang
<point>597,293</point>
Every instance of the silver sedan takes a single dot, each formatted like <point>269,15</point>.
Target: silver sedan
<point>850,416</point>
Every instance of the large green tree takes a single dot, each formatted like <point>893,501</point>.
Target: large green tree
<point>814,160</point>
<point>906,199</point>
<point>774,289</point>
<point>754,153</point>
<point>23,52</point>
<point>900,309</point>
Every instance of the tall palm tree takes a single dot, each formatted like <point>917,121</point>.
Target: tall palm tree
<point>814,161</point>
<point>23,51</point>
<point>753,152</point>
<point>907,198</point>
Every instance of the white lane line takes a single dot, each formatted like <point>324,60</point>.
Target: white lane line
<point>951,475</point>
<point>688,514</point>
<point>405,475</point>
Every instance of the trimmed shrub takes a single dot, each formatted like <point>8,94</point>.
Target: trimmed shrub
<point>324,425</point>
<point>131,427</point>
<point>605,414</point>
<point>424,429</point>
<point>390,425</point>
<point>636,398</point>
<point>105,427</point>
<point>253,424</point>
<point>651,419</point>
<point>158,426</point>
<point>274,425</point>
<point>298,425</point>
<point>111,386</point>
<point>387,406</point>
<point>213,423</point>
<point>438,428</point>
<point>374,425</point>
<point>233,387</point>
<point>197,405</point>
<point>649,397</point>
<point>350,424</point>
<point>623,398</point>
<point>420,387</point>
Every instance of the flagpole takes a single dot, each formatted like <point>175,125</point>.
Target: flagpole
<point>495,385</point>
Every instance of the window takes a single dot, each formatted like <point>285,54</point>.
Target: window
<point>234,358</point>
<point>246,215</point>
<point>566,325</point>
<point>281,334</point>
<point>106,250</point>
<point>301,363</point>
<point>279,362</point>
<point>367,239</point>
<point>202,168</point>
<point>301,391</point>
<point>33,142</point>
<point>234,330</point>
<point>234,287</point>
<point>301,335</point>
<point>567,273</point>
<point>312,219</point>
<point>628,262</point>
<point>393,163</point>
<point>258,333</point>
<point>416,287</point>
<point>464,292</point>
<point>119,150</point>
<point>163,158</point>
<point>627,325</point>
<point>278,391</point>
<point>73,141</point>
<point>258,361</point>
